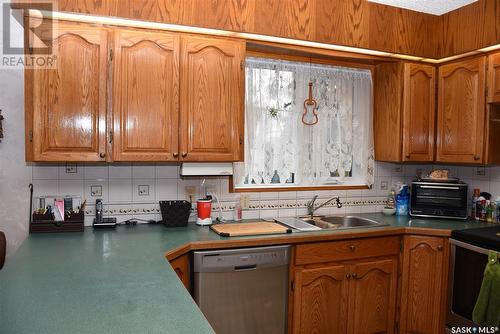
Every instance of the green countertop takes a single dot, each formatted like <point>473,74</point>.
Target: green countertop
<point>118,280</point>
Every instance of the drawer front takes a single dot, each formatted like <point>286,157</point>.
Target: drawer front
<point>346,250</point>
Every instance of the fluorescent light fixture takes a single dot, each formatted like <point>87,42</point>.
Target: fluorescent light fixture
<point>116,21</point>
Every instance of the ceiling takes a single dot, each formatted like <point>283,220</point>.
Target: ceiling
<point>434,7</point>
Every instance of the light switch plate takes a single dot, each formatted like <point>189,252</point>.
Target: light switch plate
<point>245,202</point>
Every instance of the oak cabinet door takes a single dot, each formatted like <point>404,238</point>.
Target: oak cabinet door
<point>182,269</point>
<point>461,111</point>
<point>422,289</point>
<point>211,99</point>
<point>418,112</point>
<point>145,96</point>
<point>68,103</point>
<point>372,297</point>
<point>494,78</point>
<point>320,300</point>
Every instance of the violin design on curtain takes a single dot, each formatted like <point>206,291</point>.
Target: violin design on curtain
<point>310,103</point>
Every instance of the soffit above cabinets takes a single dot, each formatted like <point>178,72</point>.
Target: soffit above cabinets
<point>434,7</point>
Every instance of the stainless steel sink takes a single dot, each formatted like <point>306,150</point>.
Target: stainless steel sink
<point>342,222</point>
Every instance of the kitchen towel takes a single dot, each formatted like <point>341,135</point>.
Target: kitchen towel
<point>487,309</point>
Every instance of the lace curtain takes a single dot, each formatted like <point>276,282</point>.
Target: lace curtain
<point>280,149</point>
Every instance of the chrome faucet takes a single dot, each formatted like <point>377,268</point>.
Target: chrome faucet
<point>311,208</point>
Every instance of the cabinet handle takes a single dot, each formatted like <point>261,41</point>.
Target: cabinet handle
<point>354,275</point>
<point>440,247</point>
<point>352,248</point>
<point>407,156</point>
<point>477,157</point>
<point>175,154</point>
<point>348,276</point>
<point>184,154</point>
<point>102,155</point>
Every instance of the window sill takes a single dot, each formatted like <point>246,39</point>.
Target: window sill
<point>232,189</point>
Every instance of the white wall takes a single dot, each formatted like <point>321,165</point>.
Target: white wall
<point>15,175</point>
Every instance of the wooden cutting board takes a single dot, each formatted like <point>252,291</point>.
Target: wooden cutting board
<point>245,229</point>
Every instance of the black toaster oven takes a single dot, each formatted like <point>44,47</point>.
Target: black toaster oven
<point>442,199</point>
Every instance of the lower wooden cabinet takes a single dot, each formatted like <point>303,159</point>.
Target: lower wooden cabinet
<point>346,298</point>
<point>182,269</point>
<point>423,287</point>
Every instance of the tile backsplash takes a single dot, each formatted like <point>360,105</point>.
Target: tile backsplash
<point>133,190</point>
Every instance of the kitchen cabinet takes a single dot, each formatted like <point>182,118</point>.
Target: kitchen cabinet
<point>404,112</point>
<point>211,107</point>
<point>423,285</point>
<point>182,269</point>
<point>494,78</point>
<point>145,96</point>
<point>346,286</point>
<point>461,112</point>
<point>66,106</point>
<point>320,300</point>
<point>167,92</point>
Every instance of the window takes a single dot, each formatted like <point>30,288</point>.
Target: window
<point>282,151</point>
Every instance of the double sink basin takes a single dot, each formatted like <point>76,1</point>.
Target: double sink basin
<point>341,222</point>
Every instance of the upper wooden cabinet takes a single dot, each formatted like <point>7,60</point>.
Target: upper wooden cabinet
<point>423,286</point>
<point>211,99</point>
<point>145,96</point>
<point>168,93</point>
<point>404,112</point>
<point>461,112</point>
<point>66,106</point>
<point>419,107</point>
<point>494,78</point>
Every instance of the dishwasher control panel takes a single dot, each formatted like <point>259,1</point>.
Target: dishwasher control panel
<point>241,259</point>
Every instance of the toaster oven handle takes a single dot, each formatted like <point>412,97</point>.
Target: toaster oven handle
<point>439,187</point>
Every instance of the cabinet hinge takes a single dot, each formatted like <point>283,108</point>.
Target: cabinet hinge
<point>292,285</point>
<point>110,137</point>
<point>397,326</point>
<point>31,136</point>
<point>242,65</point>
<point>111,54</point>
<point>401,246</point>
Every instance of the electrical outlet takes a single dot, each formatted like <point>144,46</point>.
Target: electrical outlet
<point>384,185</point>
<point>398,169</point>
<point>71,168</point>
<point>190,192</point>
<point>96,191</point>
<point>245,202</point>
<point>143,190</point>
<point>480,171</point>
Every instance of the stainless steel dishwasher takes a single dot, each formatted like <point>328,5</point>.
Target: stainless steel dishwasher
<point>243,290</point>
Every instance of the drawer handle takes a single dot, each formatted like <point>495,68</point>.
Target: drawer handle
<point>184,154</point>
<point>352,248</point>
<point>175,154</point>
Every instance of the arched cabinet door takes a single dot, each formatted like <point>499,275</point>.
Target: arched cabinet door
<point>145,96</point>
<point>419,112</point>
<point>66,105</point>
<point>461,111</point>
<point>211,99</point>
